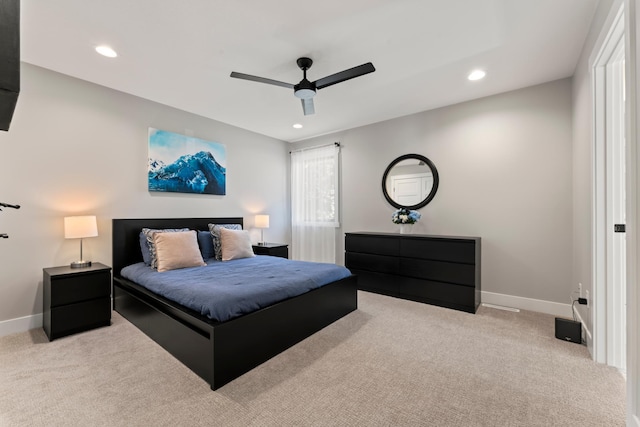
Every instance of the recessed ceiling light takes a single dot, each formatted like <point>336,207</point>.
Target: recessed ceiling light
<point>106,51</point>
<point>476,75</point>
<point>297,126</point>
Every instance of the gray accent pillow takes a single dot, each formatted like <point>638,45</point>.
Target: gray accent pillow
<point>214,229</point>
<point>148,234</point>
<point>144,248</point>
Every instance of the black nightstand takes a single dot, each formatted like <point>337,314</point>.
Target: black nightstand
<point>76,299</point>
<point>273,249</point>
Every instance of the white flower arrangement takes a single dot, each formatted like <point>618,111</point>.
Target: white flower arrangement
<point>405,216</point>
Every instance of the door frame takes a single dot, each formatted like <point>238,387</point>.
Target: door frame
<point>603,350</point>
<point>632,50</point>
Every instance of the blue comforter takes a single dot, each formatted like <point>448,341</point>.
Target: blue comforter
<point>223,290</point>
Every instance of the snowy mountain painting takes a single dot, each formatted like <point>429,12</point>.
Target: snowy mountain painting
<point>183,164</point>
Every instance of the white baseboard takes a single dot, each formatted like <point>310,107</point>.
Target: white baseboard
<point>21,324</point>
<point>541,306</point>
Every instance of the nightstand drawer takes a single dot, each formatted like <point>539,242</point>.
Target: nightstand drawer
<point>272,249</point>
<point>81,316</point>
<point>80,287</point>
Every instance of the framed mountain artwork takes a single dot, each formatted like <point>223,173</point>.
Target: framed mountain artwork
<point>184,164</point>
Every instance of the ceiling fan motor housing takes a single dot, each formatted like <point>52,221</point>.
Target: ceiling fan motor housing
<point>305,89</point>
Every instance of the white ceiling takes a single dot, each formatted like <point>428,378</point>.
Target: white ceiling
<point>181,52</point>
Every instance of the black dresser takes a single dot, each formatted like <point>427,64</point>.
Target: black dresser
<point>439,270</point>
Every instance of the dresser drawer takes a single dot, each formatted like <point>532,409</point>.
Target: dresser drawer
<point>439,249</point>
<point>80,287</point>
<point>369,262</point>
<point>461,274</point>
<point>81,316</point>
<point>372,244</point>
<point>386,284</point>
<point>429,291</point>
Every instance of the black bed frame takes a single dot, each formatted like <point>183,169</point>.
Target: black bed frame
<point>219,352</point>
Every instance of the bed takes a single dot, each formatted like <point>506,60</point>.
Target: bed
<point>219,351</point>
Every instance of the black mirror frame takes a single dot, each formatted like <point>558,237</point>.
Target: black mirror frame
<point>430,196</point>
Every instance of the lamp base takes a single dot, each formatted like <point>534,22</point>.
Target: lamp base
<point>80,264</point>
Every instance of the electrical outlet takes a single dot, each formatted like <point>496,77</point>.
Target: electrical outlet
<point>580,290</point>
<point>586,294</point>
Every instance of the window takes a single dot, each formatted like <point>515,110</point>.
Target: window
<point>314,202</point>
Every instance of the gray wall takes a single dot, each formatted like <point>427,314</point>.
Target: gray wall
<point>505,166</point>
<point>78,148</point>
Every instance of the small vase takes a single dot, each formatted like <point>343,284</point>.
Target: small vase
<point>405,228</point>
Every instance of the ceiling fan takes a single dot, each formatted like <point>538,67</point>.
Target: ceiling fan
<point>306,90</point>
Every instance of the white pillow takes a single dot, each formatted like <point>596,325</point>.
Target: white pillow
<point>178,249</point>
<point>235,244</point>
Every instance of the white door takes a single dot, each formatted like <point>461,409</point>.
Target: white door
<point>407,191</point>
<point>427,185</point>
<point>411,189</point>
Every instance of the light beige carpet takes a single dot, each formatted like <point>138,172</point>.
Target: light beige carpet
<point>391,363</point>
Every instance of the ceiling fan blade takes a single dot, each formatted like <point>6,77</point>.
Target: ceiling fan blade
<point>342,76</point>
<point>307,106</point>
<point>261,80</point>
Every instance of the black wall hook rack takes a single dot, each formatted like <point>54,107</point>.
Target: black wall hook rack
<point>7,205</point>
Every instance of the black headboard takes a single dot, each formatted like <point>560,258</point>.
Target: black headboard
<point>126,235</point>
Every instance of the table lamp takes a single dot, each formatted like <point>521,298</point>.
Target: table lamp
<point>79,227</point>
<point>262,222</point>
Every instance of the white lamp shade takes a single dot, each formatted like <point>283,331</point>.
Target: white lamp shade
<point>262,221</point>
<point>77,227</point>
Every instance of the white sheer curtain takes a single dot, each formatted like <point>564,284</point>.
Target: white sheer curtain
<point>314,203</point>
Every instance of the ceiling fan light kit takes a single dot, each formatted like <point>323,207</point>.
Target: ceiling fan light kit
<point>306,90</point>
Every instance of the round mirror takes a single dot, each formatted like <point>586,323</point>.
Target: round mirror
<point>410,181</point>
